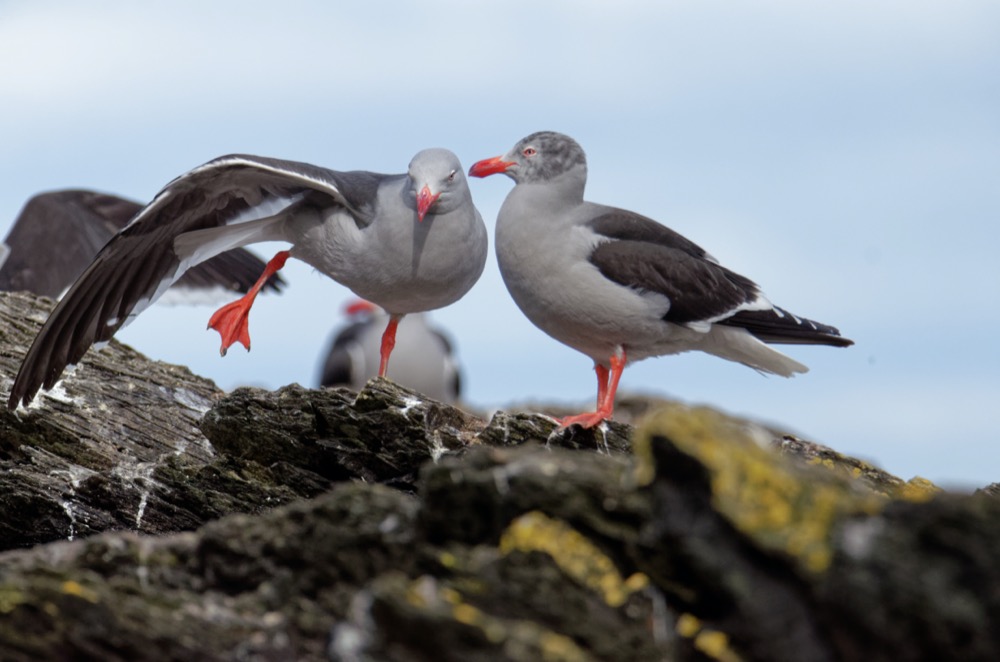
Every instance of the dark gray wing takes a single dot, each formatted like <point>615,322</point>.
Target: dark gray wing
<point>55,237</point>
<point>139,262</point>
<point>58,233</point>
<point>629,226</point>
<point>649,257</point>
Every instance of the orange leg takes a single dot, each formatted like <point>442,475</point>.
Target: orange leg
<point>388,342</point>
<point>231,320</point>
<point>607,386</point>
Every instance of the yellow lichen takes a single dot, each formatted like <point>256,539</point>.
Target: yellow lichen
<point>760,492</point>
<point>820,461</point>
<point>450,595</point>
<point>466,613</point>
<point>517,635</point>
<point>560,648</point>
<point>688,625</point>
<point>918,489</point>
<point>715,645</point>
<point>415,597</point>
<point>71,587</point>
<point>448,559</point>
<point>637,581</point>
<point>712,643</point>
<point>10,599</point>
<point>573,552</point>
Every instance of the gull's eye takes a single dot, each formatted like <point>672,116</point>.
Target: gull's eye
<point>451,176</point>
<point>529,151</point>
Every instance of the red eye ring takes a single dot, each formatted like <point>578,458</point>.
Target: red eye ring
<point>529,151</point>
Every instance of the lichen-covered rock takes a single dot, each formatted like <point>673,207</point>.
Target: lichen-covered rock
<point>83,457</point>
<point>268,587</point>
<point>383,434</point>
<point>874,478</point>
<point>125,443</point>
<point>795,560</point>
<point>317,525</point>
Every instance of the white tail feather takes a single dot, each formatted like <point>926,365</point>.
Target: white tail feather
<point>736,344</point>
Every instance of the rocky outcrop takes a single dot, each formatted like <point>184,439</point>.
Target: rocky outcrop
<point>148,516</point>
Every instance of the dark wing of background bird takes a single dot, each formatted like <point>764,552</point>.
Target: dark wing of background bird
<point>58,233</point>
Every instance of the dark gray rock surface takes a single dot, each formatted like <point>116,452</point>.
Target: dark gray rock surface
<point>147,516</point>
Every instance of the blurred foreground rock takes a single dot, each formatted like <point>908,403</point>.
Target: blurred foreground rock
<point>150,517</point>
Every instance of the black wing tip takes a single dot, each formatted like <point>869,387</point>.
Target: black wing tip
<point>828,339</point>
<point>20,395</point>
<point>822,334</point>
<point>29,381</point>
<point>779,326</point>
<point>21,391</point>
<point>839,341</point>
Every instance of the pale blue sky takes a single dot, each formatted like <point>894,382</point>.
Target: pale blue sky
<point>846,156</point>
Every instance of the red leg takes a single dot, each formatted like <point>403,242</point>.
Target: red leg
<point>388,342</point>
<point>231,320</point>
<point>605,405</point>
<point>617,368</point>
<point>602,384</point>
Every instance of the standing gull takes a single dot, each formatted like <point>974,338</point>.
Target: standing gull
<point>423,359</point>
<point>620,287</point>
<point>409,243</point>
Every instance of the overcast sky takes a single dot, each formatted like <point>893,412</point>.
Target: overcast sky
<point>845,156</point>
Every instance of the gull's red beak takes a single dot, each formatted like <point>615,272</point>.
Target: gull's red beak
<point>424,201</point>
<point>488,167</point>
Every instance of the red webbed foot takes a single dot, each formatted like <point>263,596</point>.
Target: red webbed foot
<point>232,320</point>
<point>231,323</point>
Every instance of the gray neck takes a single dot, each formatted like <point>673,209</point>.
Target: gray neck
<point>567,188</point>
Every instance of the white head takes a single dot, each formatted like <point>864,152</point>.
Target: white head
<point>438,183</point>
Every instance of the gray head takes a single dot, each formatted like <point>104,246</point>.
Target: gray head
<point>438,182</point>
<point>541,157</point>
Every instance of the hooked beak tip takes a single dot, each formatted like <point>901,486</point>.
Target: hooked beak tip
<point>488,167</point>
<point>425,200</point>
